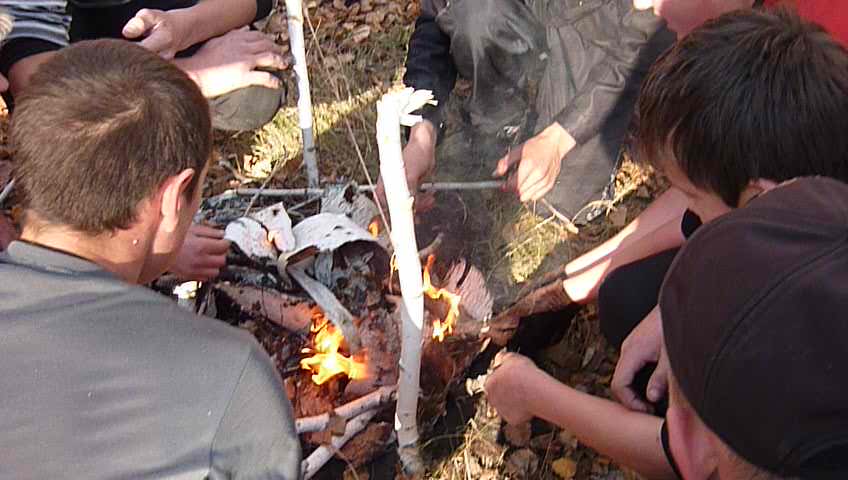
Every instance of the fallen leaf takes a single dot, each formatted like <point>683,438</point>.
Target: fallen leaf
<point>565,468</point>
<point>339,5</point>
<point>618,217</point>
<point>361,33</point>
<point>522,463</point>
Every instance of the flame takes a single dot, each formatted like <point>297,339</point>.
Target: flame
<point>327,362</point>
<point>374,228</point>
<point>441,328</point>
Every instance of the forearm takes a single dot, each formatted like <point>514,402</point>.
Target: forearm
<point>213,18</point>
<point>582,286</point>
<point>629,438</point>
<point>429,65</point>
<point>668,206</point>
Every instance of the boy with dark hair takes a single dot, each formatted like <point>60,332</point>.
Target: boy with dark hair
<point>103,378</point>
<point>749,99</point>
<point>757,363</point>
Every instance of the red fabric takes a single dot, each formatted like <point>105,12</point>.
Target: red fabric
<point>831,14</point>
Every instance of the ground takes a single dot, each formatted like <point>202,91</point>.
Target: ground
<point>355,54</point>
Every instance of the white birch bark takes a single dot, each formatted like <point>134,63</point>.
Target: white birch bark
<point>294,12</point>
<point>393,110</point>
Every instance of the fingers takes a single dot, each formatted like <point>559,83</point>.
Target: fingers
<point>270,60</point>
<point>658,384</point>
<point>261,79</point>
<point>137,26</point>
<point>512,157</point>
<point>622,381</point>
<point>200,230</point>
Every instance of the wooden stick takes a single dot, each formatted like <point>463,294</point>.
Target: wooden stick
<point>372,401</point>
<point>324,453</point>
<point>392,109</point>
<point>303,192</point>
<point>7,190</point>
<point>570,227</point>
<point>294,11</point>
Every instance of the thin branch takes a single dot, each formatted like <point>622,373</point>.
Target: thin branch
<point>373,400</point>
<point>324,453</point>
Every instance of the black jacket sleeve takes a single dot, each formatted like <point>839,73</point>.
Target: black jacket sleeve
<point>263,8</point>
<point>641,37</point>
<point>429,65</point>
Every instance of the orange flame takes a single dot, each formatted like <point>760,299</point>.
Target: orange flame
<point>327,362</point>
<point>374,228</point>
<point>441,328</point>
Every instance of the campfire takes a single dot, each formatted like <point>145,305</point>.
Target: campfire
<point>441,327</point>
<point>326,362</point>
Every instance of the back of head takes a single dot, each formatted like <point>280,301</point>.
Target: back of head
<point>99,129</point>
<point>750,95</point>
<point>753,312</point>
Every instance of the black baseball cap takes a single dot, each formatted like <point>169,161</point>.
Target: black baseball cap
<point>755,318</point>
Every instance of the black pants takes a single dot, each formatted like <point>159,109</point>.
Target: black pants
<point>627,295</point>
<point>244,109</point>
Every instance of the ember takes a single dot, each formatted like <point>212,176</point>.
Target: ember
<point>374,228</point>
<point>327,362</point>
<point>441,328</point>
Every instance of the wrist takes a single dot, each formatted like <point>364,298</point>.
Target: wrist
<point>561,138</point>
<point>188,30</point>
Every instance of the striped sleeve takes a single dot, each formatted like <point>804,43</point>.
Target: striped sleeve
<point>46,20</point>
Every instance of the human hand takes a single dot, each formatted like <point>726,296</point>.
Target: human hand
<point>163,32</point>
<point>202,255</point>
<point>232,61</point>
<point>641,347</point>
<point>506,386</point>
<point>419,159</point>
<point>539,160</point>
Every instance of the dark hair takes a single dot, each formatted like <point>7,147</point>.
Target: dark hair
<point>751,94</point>
<point>100,127</point>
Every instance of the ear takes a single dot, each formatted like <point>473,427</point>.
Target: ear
<point>754,189</point>
<point>690,445</point>
<point>175,196</point>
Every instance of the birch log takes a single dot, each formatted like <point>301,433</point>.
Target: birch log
<point>392,110</point>
<point>294,12</point>
<point>372,401</point>
<point>324,453</point>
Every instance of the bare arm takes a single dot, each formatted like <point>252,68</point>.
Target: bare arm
<point>583,286</point>
<point>629,438</point>
<point>669,206</point>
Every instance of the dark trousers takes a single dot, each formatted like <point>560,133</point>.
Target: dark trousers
<point>626,296</point>
<point>244,109</point>
<point>529,60</point>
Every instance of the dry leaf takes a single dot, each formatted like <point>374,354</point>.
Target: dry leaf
<point>522,464</point>
<point>375,18</point>
<point>366,6</point>
<point>349,26</point>
<point>565,468</point>
<point>361,33</point>
<point>339,5</point>
<point>618,217</point>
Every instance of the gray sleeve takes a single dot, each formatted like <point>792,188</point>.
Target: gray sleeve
<point>256,438</point>
<point>45,20</point>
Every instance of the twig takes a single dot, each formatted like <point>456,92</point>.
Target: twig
<point>433,247</point>
<point>306,192</point>
<point>569,225</point>
<point>372,401</point>
<point>324,453</point>
<point>7,190</point>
